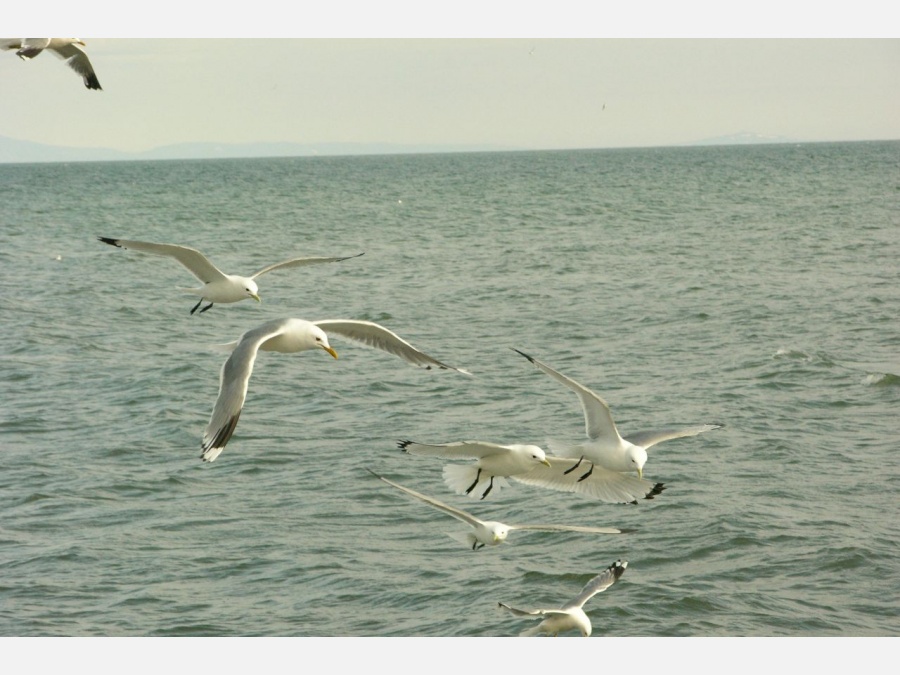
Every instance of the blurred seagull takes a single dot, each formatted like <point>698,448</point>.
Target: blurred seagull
<point>600,466</point>
<point>493,461</point>
<point>289,336</point>
<point>491,532</point>
<point>218,286</point>
<point>68,49</point>
<point>570,616</point>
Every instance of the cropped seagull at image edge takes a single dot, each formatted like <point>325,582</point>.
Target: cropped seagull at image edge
<point>571,616</point>
<point>68,49</point>
<point>218,286</point>
<point>491,532</point>
<point>600,466</point>
<point>289,336</point>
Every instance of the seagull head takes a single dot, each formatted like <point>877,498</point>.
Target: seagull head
<point>321,340</point>
<point>636,457</point>
<point>538,455</point>
<point>498,533</point>
<point>251,289</point>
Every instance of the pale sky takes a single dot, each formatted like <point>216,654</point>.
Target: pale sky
<point>511,92</point>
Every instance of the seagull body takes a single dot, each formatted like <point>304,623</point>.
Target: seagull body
<point>491,532</point>
<point>289,336</point>
<point>492,461</point>
<point>218,286</point>
<point>571,616</point>
<point>68,49</point>
<point>605,459</point>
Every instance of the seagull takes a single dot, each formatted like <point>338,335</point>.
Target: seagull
<point>68,49</point>
<point>289,336</point>
<point>493,461</point>
<point>491,532</point>
<point>603,462</point>
<point>218,286</point>
<point>571,616</point>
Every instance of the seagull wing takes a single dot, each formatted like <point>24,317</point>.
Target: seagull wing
<point>301,262</point>
<point>608,486</point>
<point>598,584</point>
<point>647,438</point>
<point>233,380</point>
<point>28,47</point>
<point>568,528</point>
<point>530,612</point>
<point>598,421</point>
<point>196,263</point>
<point>379,337</point>
<point>78,61</point>
<point>458,450</point>
<point>459,514</point>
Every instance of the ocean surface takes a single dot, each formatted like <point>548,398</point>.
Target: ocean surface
<point>751,286</point>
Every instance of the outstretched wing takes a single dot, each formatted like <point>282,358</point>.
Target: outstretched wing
<point>568,475</point>
<point>233,380</point>
<point>379,337</point>
<point>569,528</point>
<point>599,583</point>
<point>459,514</point>
<point>196,263</point>
<point>301,262</point>
<point>457,450</point>
<point>78,61</point>
<point>598,421</point>
<point>533,613</point>
<point>647,438</point>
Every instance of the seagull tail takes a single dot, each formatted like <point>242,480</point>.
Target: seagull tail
<point>460,477</point>
<point>466,538</point>
<point>531,632</point>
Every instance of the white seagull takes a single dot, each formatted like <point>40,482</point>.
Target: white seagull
<point>600,466</point>
<point>68,49</point>
<point>218,286</point>
<point>493,461</point>
<point>491,532</point>
<point>571,616</point>
<point>289,336</point>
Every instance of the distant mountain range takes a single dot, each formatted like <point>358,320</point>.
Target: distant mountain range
<point>17,151</point>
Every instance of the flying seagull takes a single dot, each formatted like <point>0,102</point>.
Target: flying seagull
<point>68,49</point>
<point>600,465</point>
<point>492,461</point>
<point>570,616</point>
<point>491,532</point>
<point>289,336</point>
<point>218,286</point>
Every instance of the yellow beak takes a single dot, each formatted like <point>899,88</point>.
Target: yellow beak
<point>330,351</point>
<point>640,473</point>
<point>255,297</point>
<point>545,462</point>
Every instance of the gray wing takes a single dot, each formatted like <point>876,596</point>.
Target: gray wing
<point>233,380</point>
<point>647,438</point>
<point>608,486</point>
<point>459,514</point>
<point>301,262</point>
<point>599,583</point>
<point>568,528</point>
<point>78,61</point>
<point>379,337</point>
<point>28,47</point>
<point>457,450</point>
<point>598,421</point>
<point>528,612</point>
<point>195,262</point>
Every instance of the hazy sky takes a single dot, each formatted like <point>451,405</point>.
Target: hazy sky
<point>513,92</point>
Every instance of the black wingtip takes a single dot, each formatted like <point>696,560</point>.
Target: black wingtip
<point>659,487</point>
<point>402,445</point>
<point>519,351</point>
<point>111,242</point>
<point>618,568</point>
